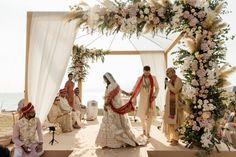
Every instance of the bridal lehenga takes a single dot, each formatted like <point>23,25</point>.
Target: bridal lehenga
<point>116,130</point>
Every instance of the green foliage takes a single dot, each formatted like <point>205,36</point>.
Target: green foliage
<point>80,58</point>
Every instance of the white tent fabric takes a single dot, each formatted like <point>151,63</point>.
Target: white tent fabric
<point>51,40</point>
<point>158,66</point>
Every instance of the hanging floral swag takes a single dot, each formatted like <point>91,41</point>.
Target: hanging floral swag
<point>80,60</point>
<point>200,61</point>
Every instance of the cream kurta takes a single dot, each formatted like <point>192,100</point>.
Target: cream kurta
<point>144,95</point>
<point>64,119</point>
<point>177,90</point>
<point>179,114</point>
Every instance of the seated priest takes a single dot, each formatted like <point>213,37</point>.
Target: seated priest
<point>78,105</point>
<point>65,107</point>
<point>64,118</point>
<point>24,134</point>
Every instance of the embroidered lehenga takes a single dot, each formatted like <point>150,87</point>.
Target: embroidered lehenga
<point>116,130</point>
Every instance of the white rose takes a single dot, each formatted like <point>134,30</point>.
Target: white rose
<point>146,11</point>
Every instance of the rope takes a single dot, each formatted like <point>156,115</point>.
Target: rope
<point>164,37</point>
<point>93,40</point>
<point>82,36</point>
<point>112,41</point>
<point>133,45</point>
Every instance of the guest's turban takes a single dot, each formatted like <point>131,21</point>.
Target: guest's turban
<point>63,91</point>
<point>29,107</point>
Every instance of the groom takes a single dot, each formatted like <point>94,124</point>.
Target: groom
<point>147,88</point>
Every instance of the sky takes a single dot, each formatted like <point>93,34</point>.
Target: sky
<point>13,38</point>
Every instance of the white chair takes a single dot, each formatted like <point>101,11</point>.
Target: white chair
<point>92,110</point>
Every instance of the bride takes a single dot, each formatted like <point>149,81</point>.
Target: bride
<point>115,130</point>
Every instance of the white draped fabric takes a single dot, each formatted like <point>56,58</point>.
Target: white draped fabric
<point>51,41</point>
<point>157,63</point>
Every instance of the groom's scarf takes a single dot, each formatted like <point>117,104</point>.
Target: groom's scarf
<point>128,107</point>
<point>138,87</point>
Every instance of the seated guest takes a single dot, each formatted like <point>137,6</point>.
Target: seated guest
<point>78,105</point>
<point>24,132</point>
<point>64,118</point>
<point>230,130</point>
<point>65,107</point>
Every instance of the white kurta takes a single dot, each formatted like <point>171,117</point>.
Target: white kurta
<point>64,119</point>
<point>64,105</point>
<point>144,95</point>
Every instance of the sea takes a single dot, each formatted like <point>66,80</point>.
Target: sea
<point>9,101</point>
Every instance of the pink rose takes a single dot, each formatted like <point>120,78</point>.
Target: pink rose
<point>193,22</point>
<point>204,47</point>
<point>200,113</point>
<point>201,73</point>
<point>153,9</point>
<point>186,14</point>
<point>201,14</point>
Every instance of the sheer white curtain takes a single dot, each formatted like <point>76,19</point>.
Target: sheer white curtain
<point>51,41</point>
<point>157,63</point>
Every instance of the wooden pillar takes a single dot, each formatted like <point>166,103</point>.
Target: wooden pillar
<point>175,42</point>
<point>172,45</point>
<point>80,89</point>
<point>166,59</point>
<point>28,28</point>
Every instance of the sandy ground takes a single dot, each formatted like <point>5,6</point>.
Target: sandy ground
<point>6,123</point>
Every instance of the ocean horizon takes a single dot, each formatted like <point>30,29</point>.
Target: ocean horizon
<point>9,101</point>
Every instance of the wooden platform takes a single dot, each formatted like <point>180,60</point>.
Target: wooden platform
<point>81,143</point>
<point>188,153</point>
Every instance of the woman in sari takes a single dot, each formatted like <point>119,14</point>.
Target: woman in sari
<point>115,130</point>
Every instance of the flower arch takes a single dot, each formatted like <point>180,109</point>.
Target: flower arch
<point>200,62</point>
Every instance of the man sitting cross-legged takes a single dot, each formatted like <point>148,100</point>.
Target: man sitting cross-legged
<point>64,118</point>
<point>24,133</point>
<point>65,107</point>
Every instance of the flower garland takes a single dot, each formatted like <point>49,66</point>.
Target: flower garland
<point>80,58</point>
<point>205,35</point>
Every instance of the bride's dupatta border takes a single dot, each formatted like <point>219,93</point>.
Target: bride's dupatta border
<point>129,106</point>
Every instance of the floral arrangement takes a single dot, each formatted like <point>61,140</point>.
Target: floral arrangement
<point>200,63</point>
<point>80,58</point>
